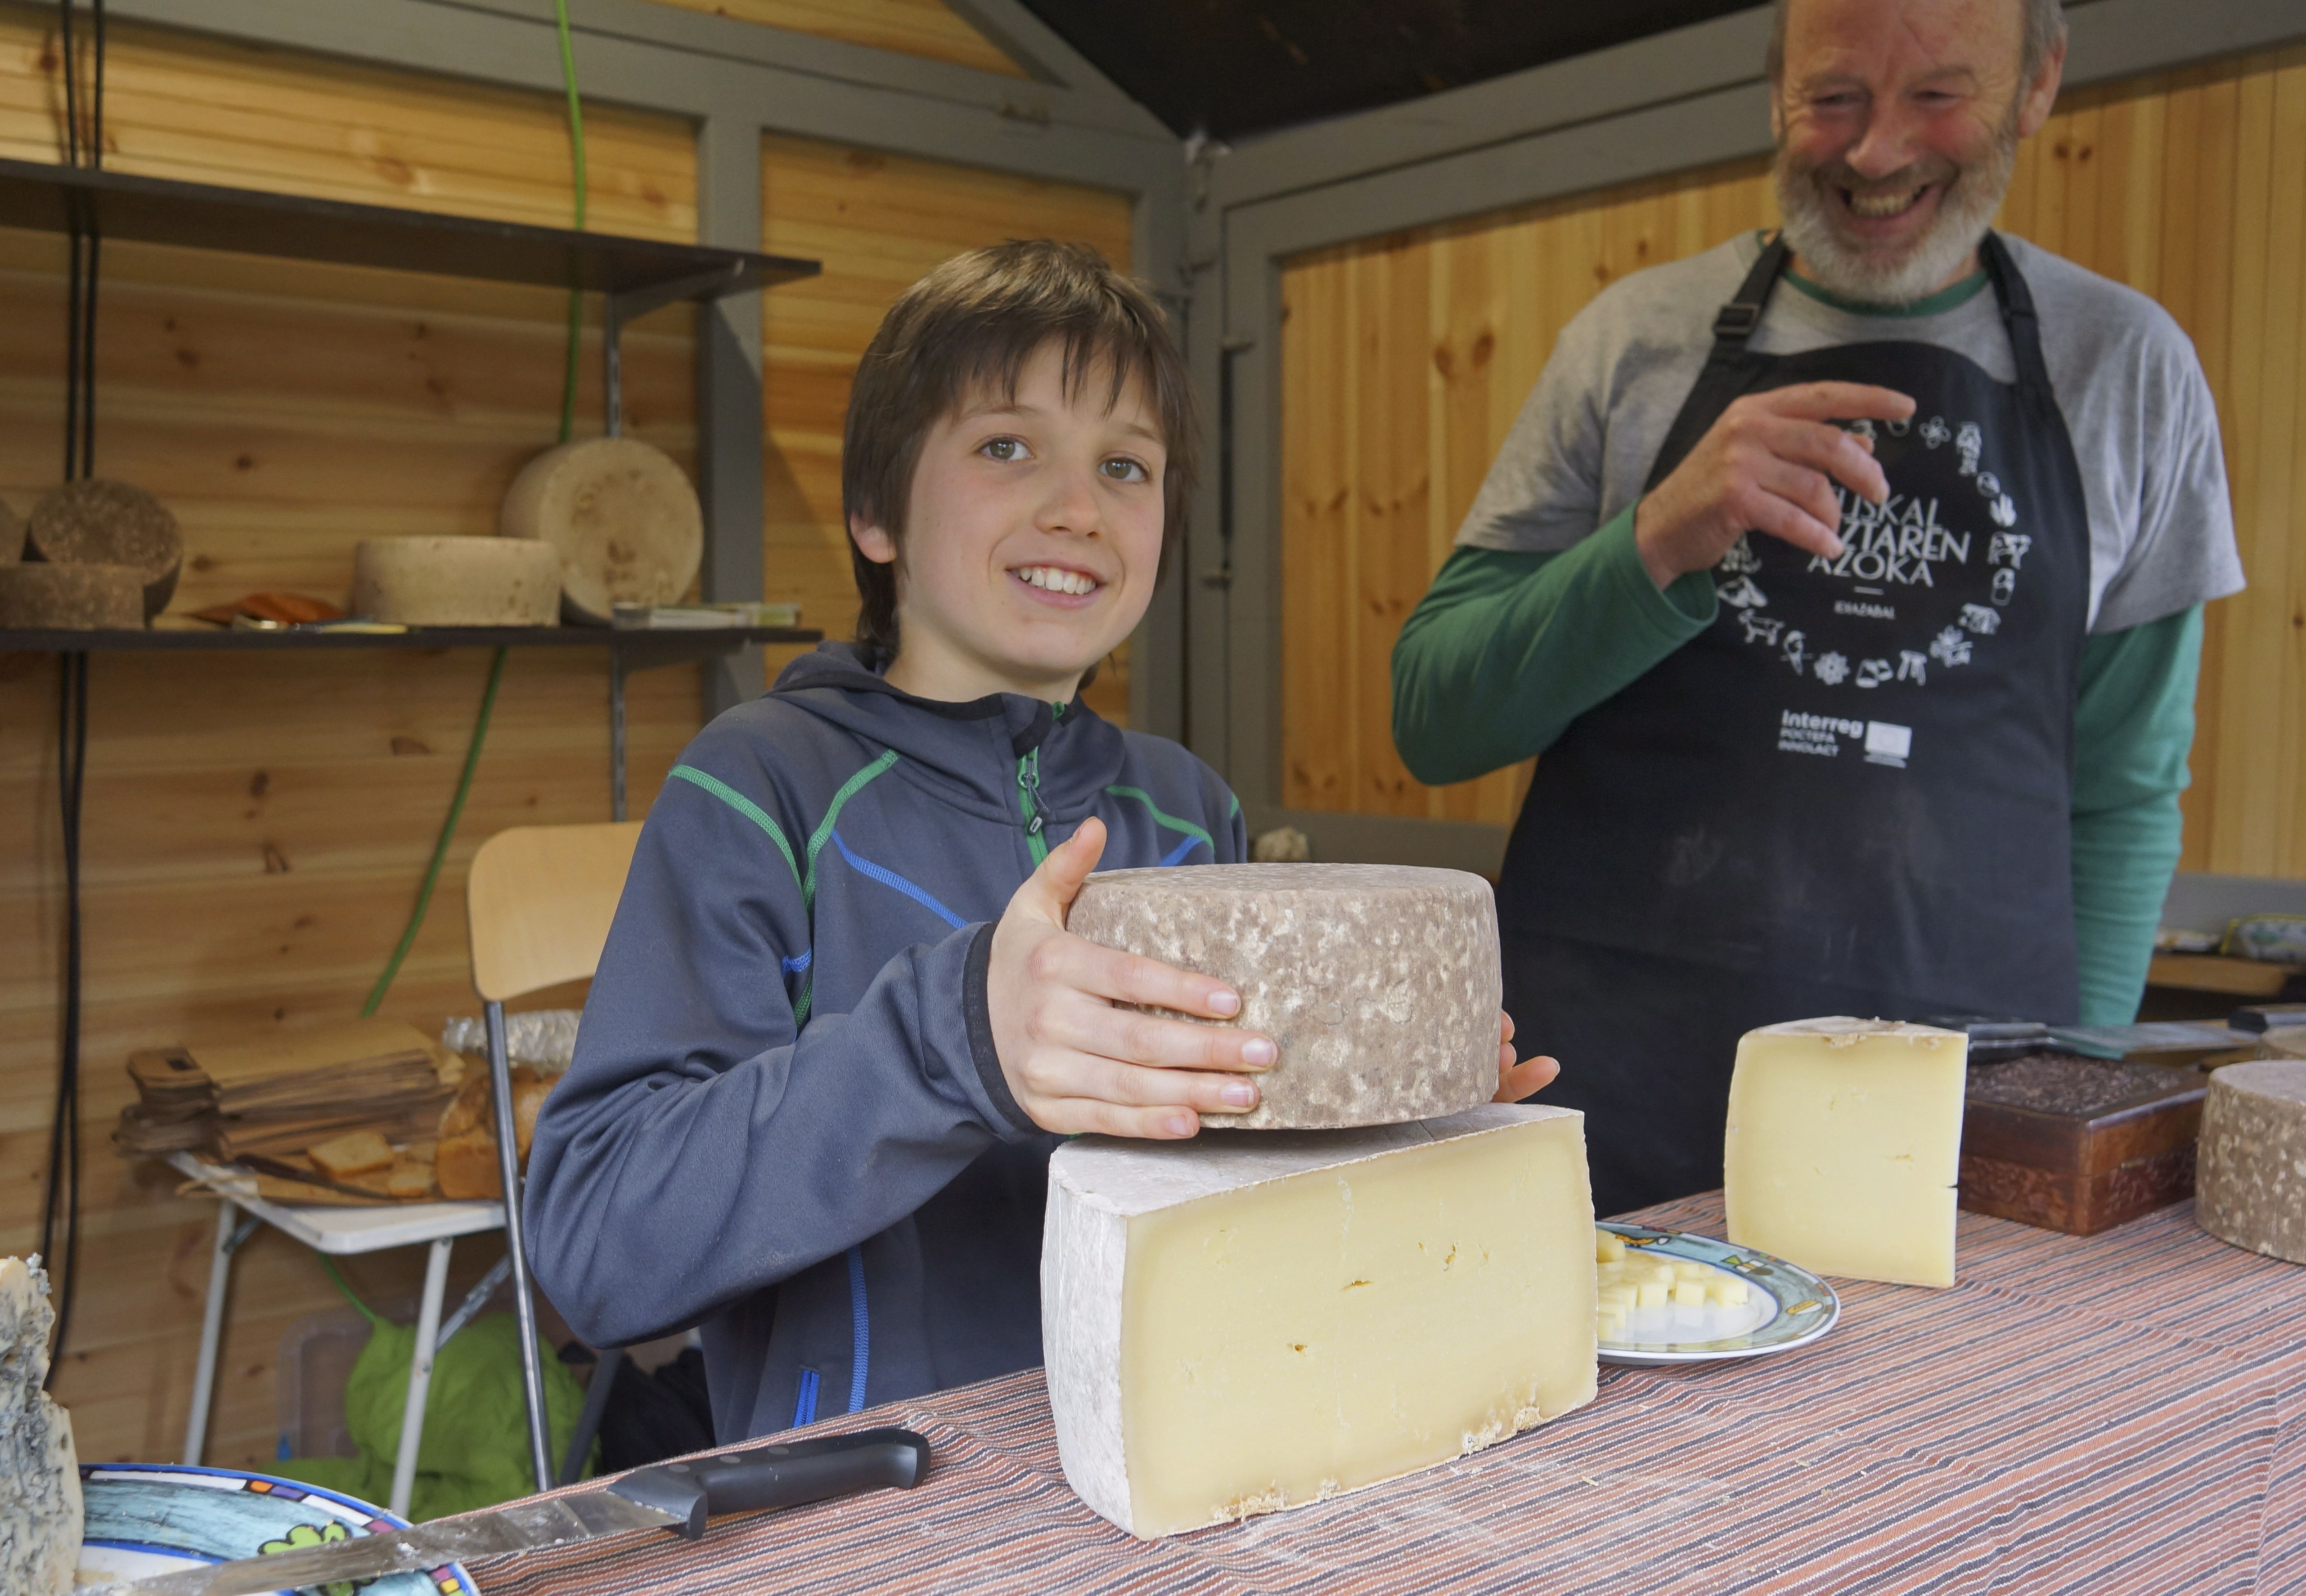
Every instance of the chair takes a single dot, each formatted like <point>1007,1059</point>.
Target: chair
<point>538,903</point>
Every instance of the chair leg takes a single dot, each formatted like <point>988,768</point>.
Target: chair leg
<point>524,1301</point>
<point>419,1377</point>
<point>596,1402</point>
<point>196,1423</point>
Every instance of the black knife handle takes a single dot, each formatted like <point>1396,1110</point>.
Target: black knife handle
<point>782,1474</point>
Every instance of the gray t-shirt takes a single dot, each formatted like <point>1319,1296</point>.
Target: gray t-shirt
<point>2145,431</point>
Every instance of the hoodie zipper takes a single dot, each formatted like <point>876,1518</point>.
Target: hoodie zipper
<point>1029,798</point>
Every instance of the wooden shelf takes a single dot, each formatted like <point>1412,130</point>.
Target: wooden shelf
<point>643,272</point>
<point>637,648</point>
<point>2210,972</point>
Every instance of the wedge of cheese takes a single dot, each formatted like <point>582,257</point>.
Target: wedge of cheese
<point>1237,1324</point>
<point>1844,1145</point>
<point>39,1473</point>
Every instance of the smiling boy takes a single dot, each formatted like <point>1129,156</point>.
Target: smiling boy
<point>838,1024</point>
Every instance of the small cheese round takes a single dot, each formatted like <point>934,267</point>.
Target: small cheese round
<point>72,597</point>
<point>623,516</point>
<point>101,521</point>
<point>457,581</point>
<point>1379,984</point>
<point>2250,1185</point>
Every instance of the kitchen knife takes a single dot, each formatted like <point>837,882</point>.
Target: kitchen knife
<point>668,1496</point>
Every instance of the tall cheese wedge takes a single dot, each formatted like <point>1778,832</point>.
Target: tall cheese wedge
<point>39,1473</point>
<point>1237,1324</point>
<point>1844,1145</point>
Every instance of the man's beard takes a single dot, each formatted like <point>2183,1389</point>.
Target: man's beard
<point>1916,270</point>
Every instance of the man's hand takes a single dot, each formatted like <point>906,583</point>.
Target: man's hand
<point>1768,462</point>
<point>1076,1063</point>
<point>1518,1080</point>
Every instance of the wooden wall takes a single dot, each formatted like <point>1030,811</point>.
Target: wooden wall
<point>254,831</point>
<point>1406,358</point>
<point>910,27</point>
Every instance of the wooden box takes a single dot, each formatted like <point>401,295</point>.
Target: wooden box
<point>2078,1144</point>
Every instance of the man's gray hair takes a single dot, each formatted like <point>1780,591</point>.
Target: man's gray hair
<point>2045,30</point>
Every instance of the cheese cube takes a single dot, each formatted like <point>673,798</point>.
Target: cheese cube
<point>1689,1293</point>
<point>1653,1294</point>
<point>1237,1324</point>
<point>1608,1246</point>
<point>1728,1293</point>
<point>1843,1147</point>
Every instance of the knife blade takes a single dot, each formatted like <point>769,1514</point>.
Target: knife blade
<point>669,1496</point>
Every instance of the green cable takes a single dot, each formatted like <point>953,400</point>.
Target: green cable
<point>351,1296</point>
<point>496,665</point>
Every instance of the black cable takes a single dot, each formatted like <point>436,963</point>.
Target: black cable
<point>64,1185</point>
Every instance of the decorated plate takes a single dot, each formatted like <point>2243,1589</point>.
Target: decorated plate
<point>157,1518</point>
<point>1752,1303</point>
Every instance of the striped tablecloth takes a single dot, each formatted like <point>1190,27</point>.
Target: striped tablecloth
<point>2125,1414</point>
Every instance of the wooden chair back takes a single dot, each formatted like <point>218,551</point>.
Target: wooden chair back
<point>538,903</point>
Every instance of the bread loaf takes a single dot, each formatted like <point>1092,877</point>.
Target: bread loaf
<point>465,1162</point>
<point>621,513</point>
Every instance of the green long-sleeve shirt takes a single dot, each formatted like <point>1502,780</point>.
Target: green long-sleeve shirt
<point>1506,649</point>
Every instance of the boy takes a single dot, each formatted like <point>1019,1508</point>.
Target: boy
<point>822,1066</point>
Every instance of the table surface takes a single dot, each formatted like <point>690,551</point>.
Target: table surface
<point>2120,1414</point>
<point>347,1230</point>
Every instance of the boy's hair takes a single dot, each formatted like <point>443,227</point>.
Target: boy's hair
<point>972,323</point>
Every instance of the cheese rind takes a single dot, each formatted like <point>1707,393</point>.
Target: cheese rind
<point>457,581</point>
<point>2251,1184</point>
<point>1237,1326</point>
<point>623,517</point>
<point>1379,984</point>
<point>40,1516</point>
<point>1843,1147</point>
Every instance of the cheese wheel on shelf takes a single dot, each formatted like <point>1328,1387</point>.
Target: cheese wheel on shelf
<point>457,581</point>
<point>1239,1325</point>
<point>40,1512</point>
<point>623,517</point>
<point>70,598</point>
<point>1380,984</point>
<point>2250,1184</point>
<point>107,522</point>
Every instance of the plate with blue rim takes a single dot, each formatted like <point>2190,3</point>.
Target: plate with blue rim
<point>144,1519</point>
<point>1787,1306</point>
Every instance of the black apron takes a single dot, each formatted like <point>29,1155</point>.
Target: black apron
<point>1848,794</point>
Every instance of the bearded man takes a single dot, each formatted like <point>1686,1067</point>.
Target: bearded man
<point>1849,583</point>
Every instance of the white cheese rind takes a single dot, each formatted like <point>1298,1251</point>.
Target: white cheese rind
<point>455,582</point>
<point>40,1516</point>
<point>1843,1147</point>
<point>623,516</point>
<point>1237,1326</point>
<point>1380,984</point>
<point>2249,1186</point>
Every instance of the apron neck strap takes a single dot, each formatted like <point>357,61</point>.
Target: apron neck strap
<point>2018,318</point>
<point>1737,321</point>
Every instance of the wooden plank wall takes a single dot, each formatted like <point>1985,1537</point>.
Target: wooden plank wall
<point>254,834</point>
<point>910,27</point>
<point>1406,358</point>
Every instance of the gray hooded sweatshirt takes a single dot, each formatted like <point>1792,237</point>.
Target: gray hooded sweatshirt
<point>786,1122</point>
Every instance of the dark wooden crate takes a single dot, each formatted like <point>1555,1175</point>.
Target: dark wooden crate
<point>2078,1145</point>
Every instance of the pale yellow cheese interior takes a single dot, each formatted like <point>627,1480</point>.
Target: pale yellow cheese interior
<point>1844,1145</point>
<point>1348,1325</point>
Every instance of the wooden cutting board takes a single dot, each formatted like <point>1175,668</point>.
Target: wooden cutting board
<point>2078,1145</point>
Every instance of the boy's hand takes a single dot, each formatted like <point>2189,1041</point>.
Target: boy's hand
<point>1518,1080</point>
<point>1076,1063</point>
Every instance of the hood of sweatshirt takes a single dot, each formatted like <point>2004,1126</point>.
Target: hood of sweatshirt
<point>973,755</point>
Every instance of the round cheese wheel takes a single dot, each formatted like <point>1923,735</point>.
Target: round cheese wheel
<point>1378,983</point>
<point>622,515</point>
<point>2250,1184</point>
<point>101,521</point>
<point>457,581</point>
<point>70,598</point>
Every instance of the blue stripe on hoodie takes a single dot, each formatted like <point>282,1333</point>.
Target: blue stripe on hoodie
<point>725,1137</point>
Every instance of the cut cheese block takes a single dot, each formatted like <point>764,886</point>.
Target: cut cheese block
<point>1844,1147</point>
<point>455,582</point>
<point>621,513</point>
<point>99,521</point>
<point>1240,1325</point>
<point>1378,983</point>
<point>72,597</point>
<point>39,1472</point>
<point>2251,1186</point>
